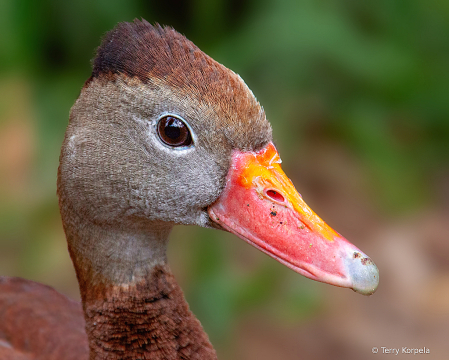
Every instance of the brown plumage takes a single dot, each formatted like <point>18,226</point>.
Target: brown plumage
<point>38,323</point>
<point>122,188</point>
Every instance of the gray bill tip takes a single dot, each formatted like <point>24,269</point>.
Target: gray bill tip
<point>362,271</point>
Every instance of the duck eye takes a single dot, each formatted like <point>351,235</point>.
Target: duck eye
<point>173,132</point>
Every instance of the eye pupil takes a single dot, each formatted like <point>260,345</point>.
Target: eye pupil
<point>174,132</point>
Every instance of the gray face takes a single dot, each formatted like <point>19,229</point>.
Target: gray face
<point>115,168</point>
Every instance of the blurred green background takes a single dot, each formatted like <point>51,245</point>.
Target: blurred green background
<point>358,96</point>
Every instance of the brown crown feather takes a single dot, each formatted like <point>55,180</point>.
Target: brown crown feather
<point>148,52</point>
<point>139,49</point>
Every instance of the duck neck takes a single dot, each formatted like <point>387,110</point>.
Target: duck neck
<point>133,307</point>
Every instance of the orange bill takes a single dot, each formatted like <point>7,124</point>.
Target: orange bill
<point>260,205</point>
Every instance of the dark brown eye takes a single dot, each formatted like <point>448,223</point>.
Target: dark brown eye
<point>174,132</point>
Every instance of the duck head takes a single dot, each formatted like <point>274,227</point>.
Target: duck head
<point>162,134</point>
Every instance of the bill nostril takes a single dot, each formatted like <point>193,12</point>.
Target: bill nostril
<point>275,196</point>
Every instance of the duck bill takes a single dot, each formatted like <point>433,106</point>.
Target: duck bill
<point>260,205</point>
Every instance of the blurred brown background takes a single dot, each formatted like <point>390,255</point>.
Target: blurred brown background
<point>358,96</point>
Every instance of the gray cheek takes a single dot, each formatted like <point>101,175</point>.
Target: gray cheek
<point>131,174</point>
<point>177,189</point>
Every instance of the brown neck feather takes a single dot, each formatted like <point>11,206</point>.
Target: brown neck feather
<point>133,307</point>
<point>146,320</point>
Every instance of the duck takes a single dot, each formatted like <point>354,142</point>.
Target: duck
<point>161,134</point>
